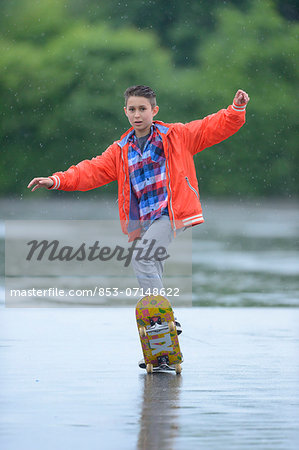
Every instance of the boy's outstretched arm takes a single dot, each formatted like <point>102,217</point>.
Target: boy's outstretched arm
<point>86,175</point>
<point>40,182</point>
<point>219,126</point>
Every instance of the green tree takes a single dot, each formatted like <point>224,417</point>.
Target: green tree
<point>62,80</point>
<point>33,21</point>
<point>257,51</point>
<point>180,26</point>
<point>63,101</point>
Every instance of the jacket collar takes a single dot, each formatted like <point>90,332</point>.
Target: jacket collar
<point>162,127</point>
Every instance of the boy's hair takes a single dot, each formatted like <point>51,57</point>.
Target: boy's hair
<point>141,91</point>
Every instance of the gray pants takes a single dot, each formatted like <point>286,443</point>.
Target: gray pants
<point>149,271</point>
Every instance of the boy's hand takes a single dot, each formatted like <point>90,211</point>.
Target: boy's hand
<point>41,182</point>
<point>241,97</point>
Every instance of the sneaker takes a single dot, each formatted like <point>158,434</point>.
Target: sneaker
<point>142,364</point>
<point>178,327</point>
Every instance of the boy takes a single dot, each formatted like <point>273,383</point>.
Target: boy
<point>153,164</point>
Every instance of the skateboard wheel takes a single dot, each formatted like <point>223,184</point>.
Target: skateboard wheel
<point>171,326</point>
<point>178,369</point>
<point>142,332</point>
<point>149,368</point>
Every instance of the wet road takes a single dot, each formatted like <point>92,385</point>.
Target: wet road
<point>64,384</point>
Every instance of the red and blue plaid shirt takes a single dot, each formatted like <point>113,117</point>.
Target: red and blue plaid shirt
<point>148,177</point>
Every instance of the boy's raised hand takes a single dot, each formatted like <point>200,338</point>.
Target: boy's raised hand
<point>241,97</point>
<point>40,182</point>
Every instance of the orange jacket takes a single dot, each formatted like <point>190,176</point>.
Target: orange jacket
<point>181,142</point>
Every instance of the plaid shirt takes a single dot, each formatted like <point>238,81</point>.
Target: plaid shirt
<point>148,177</point>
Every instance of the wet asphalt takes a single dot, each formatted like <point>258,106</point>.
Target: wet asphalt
<point>70,380</point>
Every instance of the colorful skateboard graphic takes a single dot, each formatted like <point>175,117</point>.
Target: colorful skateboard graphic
<point>158,335</point>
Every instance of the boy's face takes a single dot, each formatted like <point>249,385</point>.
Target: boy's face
<point>140,113</point>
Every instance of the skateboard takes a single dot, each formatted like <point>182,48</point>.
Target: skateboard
<point>158,334</point>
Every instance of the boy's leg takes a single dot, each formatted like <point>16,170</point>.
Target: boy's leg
<point>149,271</point>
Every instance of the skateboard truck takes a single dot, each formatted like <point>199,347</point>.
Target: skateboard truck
<point>163,360</point>
<point>154,320</point>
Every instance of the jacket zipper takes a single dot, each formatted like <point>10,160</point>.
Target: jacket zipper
<point>170,199</point>
<point>191,187</point>
<point>122,157</point>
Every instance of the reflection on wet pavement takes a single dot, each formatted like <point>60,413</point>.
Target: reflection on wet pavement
<point>159,416</point>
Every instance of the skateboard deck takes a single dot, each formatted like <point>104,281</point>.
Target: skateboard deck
<point>158,334</point>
